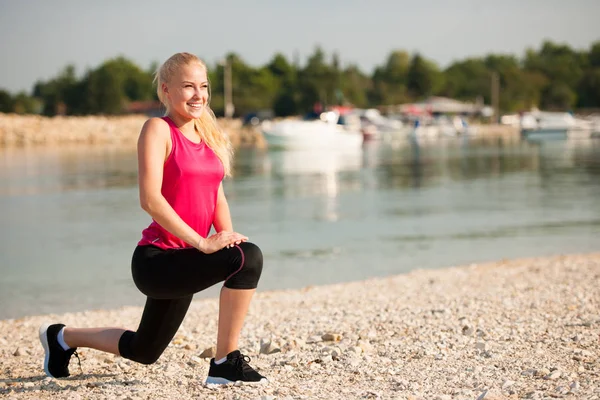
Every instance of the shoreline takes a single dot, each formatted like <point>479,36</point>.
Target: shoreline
<point>18,131</point>
<point>523,328</point>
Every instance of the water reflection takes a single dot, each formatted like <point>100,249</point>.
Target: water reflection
<point>41,170</point>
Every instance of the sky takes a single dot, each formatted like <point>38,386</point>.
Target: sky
<point>38,38</point>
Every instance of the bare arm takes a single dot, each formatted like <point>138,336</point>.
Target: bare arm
<point>222,220</point>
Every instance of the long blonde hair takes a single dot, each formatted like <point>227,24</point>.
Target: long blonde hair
<point>206,125</point>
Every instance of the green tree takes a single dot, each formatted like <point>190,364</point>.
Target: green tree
<point>287,98</point>
<point>355,86</point>
<point>558,96</point>
<point>390,80</point>
<point>6,101</point>
<point>424,77</point>
<point>589,90</point>
<point>468,80</point>
<point>52,94</point>
<point>313,81</point>
<point>115,83</point>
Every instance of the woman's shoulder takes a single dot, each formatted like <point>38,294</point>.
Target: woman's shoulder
<point>157,127</point>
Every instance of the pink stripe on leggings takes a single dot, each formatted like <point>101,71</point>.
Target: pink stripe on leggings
<point>241,265</point>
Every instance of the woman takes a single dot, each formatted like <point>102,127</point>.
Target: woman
<point>182,158</point>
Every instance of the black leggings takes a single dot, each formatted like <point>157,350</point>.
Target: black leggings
<point>170,278</point>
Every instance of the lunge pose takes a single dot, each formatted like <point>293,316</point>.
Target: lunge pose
<point>182,159</point>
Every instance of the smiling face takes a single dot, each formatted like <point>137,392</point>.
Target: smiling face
<point>187,91</point>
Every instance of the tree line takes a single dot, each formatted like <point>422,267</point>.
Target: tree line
<point>554,77</point>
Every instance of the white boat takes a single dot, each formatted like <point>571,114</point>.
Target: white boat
<point>310,134</point>
<point>375,126</point>
<point>542,125</point>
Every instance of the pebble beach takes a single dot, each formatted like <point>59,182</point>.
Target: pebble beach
<point>512,329</point>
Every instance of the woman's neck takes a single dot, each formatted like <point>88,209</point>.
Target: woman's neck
<point>184,124</point>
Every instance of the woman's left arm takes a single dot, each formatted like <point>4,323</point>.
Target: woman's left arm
<point>222,220</point>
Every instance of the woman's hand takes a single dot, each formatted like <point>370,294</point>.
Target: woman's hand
<point>220,241</point>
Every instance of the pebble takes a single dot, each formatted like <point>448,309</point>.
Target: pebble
<point>269,348</point>
<point>209,352</point>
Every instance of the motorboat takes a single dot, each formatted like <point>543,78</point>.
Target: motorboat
<point>540,125</point>
<point>324,132</point>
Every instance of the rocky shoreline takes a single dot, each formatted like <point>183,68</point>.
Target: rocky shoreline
<point>35,130</point>
<point>526,328</point>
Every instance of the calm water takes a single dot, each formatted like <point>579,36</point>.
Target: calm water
<point>70,217</point>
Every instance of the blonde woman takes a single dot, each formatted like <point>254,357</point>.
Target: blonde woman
<point>182,159</point>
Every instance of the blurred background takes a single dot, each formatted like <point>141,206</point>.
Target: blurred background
<point>371,139</point>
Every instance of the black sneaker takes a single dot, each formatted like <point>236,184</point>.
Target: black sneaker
<point>56,361</point>
<point>235,369</point>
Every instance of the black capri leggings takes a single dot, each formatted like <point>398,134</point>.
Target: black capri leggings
<point>169,279</point>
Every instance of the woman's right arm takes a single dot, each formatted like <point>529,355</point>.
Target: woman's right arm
<point>152,153</point>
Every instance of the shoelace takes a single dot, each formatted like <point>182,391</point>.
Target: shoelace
<point>78,360</point>
<point>242,363</point>
<point>74,353</point>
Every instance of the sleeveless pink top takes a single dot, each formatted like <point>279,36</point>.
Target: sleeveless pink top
<point>192,174</point>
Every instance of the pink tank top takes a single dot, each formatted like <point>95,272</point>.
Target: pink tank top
<point>192,174</point>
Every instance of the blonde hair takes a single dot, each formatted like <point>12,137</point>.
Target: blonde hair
<point>206,125</point>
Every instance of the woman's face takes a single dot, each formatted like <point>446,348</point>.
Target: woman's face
<point>187,91</point>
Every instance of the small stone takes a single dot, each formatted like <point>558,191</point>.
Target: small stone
<point>507,383</point>
<point>542,372</point>
<point>18,352</point>
<point>574,387</point>
<point>365,346</point>
<point>314,339</point>
<point>332,337</point>
<point>210,352</point>
<point>326,359</point>
<point>528,372</point>
<point>482,346</point>
<point>269,348</point>
<point>356,349</point>
<point>189,346</point>
<point>554,375</point>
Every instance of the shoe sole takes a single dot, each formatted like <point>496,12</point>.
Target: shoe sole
<point>222,381</point>
<point>44,340</point>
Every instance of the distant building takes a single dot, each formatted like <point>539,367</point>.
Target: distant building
<point>440,105</point>
<point>151,108</point>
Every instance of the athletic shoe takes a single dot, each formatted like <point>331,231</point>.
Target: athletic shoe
<point>56,361</point>
<point>235,369</point>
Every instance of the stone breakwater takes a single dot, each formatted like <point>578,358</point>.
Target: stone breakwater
<point>526,328</point>
<point>35,130</point>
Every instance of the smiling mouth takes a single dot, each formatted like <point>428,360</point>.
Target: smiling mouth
<point>195,105</point>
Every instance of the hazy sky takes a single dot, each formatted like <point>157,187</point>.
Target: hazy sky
<point>38,38</point>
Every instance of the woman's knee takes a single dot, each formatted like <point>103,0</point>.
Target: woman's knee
<point>141,354</point>
<point>253,257</point>
<point>249,274</point>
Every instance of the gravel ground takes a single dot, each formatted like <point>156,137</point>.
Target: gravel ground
<point>527,328</point>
